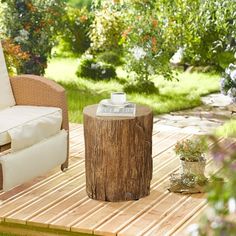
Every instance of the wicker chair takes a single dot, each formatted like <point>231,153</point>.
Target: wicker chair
<point>35,91</point>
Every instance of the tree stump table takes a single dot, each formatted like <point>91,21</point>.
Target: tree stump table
<point>118,155</point>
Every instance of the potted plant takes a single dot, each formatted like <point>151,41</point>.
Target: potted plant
<point>192,158</point>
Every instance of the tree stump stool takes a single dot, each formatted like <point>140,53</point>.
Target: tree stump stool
<point>118,155</point>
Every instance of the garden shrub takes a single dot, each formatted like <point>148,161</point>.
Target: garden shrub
<point>110,57</point>
<point>74,38</point>
<point>142,86</point>
<point>93,69</point>
<point>33,25</point>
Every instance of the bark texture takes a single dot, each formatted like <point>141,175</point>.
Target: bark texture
<point>118,155</point>
<point>1,177</point>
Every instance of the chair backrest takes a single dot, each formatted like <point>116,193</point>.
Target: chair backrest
<point>6,95</point>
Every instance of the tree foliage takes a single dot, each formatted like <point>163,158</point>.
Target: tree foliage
<point>80,3</point>
<point>75,36</point>
<point>106,28</point>
<point>216,24</point>
<point>13,55</point>
<point>147,43</point>
<point>33,25</point>
<point>205,29</point>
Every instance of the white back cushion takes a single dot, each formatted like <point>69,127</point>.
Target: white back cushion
<point>6,95</point>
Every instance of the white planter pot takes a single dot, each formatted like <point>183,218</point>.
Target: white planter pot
<point>193,167</point>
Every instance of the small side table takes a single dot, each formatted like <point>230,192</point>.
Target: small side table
<point>118,155</point>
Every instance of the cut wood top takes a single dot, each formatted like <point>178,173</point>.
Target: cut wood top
<point>140,111</point>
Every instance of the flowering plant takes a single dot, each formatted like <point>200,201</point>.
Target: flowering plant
<point>228,82</point>
<point>191,150</point>
<point>224,154</point>
<point>220,217</point>
<point>148,49</point>
<point>13,54</point>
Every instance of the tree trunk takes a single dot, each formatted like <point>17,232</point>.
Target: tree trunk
<point>118,155</point>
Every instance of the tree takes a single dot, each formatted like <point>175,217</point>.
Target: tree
<point>107,26</point>
<point>147,43</point>
<point>33,25</point>
<point>206,29</point>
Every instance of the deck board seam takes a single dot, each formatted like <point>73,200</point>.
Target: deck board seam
<point>39,198</point>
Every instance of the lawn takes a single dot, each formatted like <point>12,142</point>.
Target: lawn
<point>228,130</point>
<point>173,95</point>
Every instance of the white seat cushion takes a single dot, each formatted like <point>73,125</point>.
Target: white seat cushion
<point>33,161</point>
<point>26,125</point>
<point>6,95</point>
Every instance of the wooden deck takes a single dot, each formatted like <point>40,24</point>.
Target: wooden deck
<point>59,201</point>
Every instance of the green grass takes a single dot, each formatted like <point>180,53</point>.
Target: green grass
<point>173,95</point>
<point>228,130</point>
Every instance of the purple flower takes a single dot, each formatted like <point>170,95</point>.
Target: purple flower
<point>233,165</point>
<point>233,75</point>
<point>219,157</point>
<point>222,86</point>
<point>222,82</point>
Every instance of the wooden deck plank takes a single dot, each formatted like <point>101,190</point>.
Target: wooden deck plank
<point>59,200</point>
<point>39,192</point>
<point>59,209</point>
<point>88,224</point>
<point>154,214</point>
<point>158,213</point>
<point>55,196</point>
<point>18,215</point>
<point>182,230</point>
<point>116,224</point>
<point>164,144</point>
<point>69,223</point>
<point>164,173</point>
<point>158,191</point>
<point>78,213</point>
<point>181,213</point>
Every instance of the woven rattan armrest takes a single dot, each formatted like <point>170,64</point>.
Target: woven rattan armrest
<point>38,91</point>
